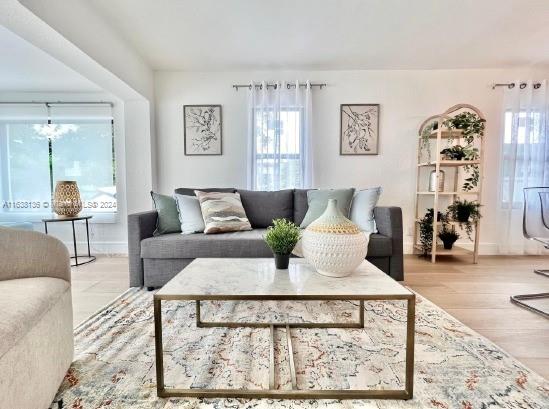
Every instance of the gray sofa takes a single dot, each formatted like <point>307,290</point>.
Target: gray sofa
<point>154,260</point>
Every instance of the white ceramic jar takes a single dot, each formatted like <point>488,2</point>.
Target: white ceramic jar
<point>333,244</point>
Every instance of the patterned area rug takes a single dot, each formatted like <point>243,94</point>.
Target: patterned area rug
<point>455,367</point>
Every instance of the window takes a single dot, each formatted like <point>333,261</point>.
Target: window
<point>40,145</point>
<point>521,141</point>
<point>278,147</point>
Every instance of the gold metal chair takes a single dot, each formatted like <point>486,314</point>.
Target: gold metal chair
<point>535,226</point>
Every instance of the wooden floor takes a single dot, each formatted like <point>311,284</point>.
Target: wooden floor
<point>476,294</point>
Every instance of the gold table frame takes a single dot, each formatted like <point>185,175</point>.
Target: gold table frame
<point>294,393</point>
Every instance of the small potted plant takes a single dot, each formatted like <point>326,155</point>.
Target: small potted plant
<point>466,213</point>
<point>448,236</point>
<point>426,230</point>
<point>282,237</point>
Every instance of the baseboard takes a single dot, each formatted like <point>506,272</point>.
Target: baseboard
<point>108,248</point>
<point>485,249</point>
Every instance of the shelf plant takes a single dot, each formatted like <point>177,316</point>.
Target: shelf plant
<point>426,230</point>
<point>465,213</point>
<point>448,235</point>
<point>282,237</point>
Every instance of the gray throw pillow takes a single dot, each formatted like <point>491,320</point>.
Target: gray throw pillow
<point>263,207</point>
<point>168,217</point>
<point>190,215</point>
<point>318,200</point>
<point>362,209</point>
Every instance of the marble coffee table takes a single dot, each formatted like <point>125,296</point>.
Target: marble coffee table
<point>256,279</point>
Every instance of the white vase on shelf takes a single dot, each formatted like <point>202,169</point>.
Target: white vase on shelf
<point>333,244</point>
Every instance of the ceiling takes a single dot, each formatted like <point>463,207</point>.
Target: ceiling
<point>215,35</point>
<point>25,67</point>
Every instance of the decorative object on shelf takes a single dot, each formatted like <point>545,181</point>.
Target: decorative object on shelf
<point>359,132</point>
<point>426,230</point>
<point>470,123</point>
<point>433,180</point>
<point>66,199</point>
<point>202,129</point>
<point>457,136</point>
<point>282,237</point>
<point>333,244</point>
<point>448,235</point>
<point>458,152</point>
<point>466,213</point>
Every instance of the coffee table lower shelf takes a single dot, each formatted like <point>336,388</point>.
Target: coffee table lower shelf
<point>295,392</point>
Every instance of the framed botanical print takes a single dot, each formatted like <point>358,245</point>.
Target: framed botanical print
<point>202,126</point>
<point>359,129</point>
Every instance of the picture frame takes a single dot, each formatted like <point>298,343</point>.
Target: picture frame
<point>359,129</point>
<point>202,130</point>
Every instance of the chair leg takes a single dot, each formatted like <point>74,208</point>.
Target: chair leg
<point>518,299</point>
<point>542,272</point>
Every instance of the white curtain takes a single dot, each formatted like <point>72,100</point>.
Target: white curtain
<point>279,136</point>
<point>524,160</point>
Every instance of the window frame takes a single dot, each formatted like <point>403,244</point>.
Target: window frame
<point>272,156</point>
<point>14,215</point>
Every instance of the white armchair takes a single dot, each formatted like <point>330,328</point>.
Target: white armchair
<point>36,333</point>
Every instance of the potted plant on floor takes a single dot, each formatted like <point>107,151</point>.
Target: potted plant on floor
<point>426,230</point>
<point>466,213</point>
<point>448,236</point>
<point>282,237</point>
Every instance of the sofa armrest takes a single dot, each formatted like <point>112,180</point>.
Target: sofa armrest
<point>140,226</point>
<point>389,223</point>
<point>27,254</point>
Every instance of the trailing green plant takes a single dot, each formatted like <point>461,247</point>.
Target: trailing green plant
<point>458,152</point>
<point>426,230</point>
<point>471,125</point>
<point>465,213</point>
<point>425,145</point>
<point>282,236</point>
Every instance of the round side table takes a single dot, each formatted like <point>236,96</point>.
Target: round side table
<point>90,258</point>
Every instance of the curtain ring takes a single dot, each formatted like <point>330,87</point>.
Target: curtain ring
<point>511,85</point>
<point>261,86</point>
<point>537,85</point>
<point>276,85</point>
<point>288,85</point>
<point>250,87</point>
<point>522,85</point>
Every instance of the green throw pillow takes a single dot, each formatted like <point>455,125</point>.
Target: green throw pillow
<point>168,217</point>
<point>318,200</point>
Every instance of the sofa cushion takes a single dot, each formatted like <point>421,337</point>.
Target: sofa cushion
<point>190,191</point>
<point>380,246</point>
<point>168,217</point>
<point>300,205</point>
<point>222,212</point>
<point>263,207</point>
<point>318,200</point>
<point>235,244</point>
<point>23,303</point>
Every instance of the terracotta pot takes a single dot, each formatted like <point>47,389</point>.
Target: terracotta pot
<point>66,199</point>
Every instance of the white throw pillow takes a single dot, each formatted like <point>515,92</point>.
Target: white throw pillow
<point>190,215</point>
<point>362,209</point>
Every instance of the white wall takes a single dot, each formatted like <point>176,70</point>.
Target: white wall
<point>406,98</point>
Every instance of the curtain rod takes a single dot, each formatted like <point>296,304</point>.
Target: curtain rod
<point>288,86</point>
<point>57,103</point>
<point>512,85</point>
